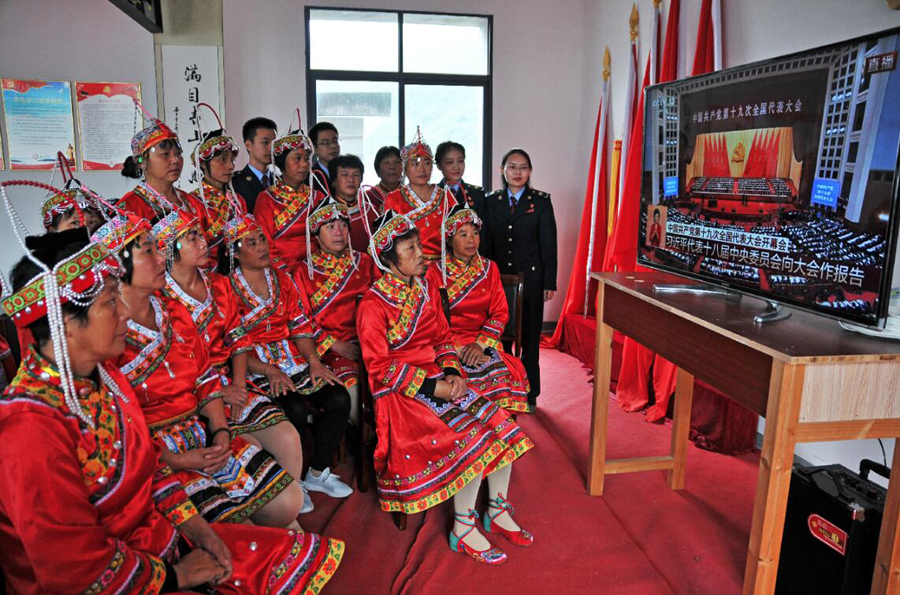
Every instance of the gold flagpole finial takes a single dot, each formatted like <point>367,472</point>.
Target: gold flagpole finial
<point>606,61</point>
<point>656,4</point>
<point>633,23</point>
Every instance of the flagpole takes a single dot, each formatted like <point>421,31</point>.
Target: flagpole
<point>717,34</point>
<point>630,99</point>
<point>654,41</point>
<point>598,170</point>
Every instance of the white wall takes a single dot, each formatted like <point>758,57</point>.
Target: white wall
<point>752,31</point>
<point>538,79</point>
<point>55,40</point>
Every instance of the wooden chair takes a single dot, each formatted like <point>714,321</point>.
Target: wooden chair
<point>513,287</point>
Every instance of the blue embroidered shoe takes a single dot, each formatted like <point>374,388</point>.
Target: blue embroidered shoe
<point>491,555</point>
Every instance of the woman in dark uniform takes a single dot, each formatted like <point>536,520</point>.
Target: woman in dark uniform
<point>519,234</point>
<point>450,158</point>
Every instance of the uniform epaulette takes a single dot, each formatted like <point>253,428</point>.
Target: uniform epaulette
<point>494,193</point>
<point>474,187</point>
<point>542,194</point>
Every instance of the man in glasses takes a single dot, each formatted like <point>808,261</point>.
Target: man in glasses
<point>324,136</point>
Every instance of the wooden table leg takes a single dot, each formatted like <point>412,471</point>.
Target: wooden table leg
<point>600,407</point>
<point>681,427</point>
<point>887,562</point>
<point>775,463</point>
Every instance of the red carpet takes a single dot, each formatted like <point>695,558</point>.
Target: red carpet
<point>640,537</point>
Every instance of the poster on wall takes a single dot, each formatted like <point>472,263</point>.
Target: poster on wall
<point>190,77</point>
<point>107,119</point>
<point>2,163</point>
<point>39,123</point>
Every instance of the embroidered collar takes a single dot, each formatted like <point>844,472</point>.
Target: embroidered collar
<point>337,270</point>
<point>324,262</point>
<point>413,199</point>
<point>194,306</point>
<point>218,207</point>
<point>396,291</point>
<point>286,195</point>
<point>463,278</point>
<point>410,299</point>
<point>39,378</point>
<point>245,285</point>
<point>159,316</point>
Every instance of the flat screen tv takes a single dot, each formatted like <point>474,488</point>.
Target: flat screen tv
<point>780,178</point>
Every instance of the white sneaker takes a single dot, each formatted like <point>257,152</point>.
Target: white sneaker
<point>307,501</point>
<point>327,483</point>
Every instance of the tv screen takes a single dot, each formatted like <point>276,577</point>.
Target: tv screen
<point>779,178</point>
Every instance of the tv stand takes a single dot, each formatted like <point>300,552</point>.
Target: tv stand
<point>798,374</point>
<point>773,313</point>
<point>697,289</point>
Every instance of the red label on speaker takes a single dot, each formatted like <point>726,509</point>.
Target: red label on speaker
<point>828,533</point>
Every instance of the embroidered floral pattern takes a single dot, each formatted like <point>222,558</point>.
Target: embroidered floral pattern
<point>295,205</point>
<point>339,270</point>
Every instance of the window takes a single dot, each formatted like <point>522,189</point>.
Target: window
<point>377,75</point>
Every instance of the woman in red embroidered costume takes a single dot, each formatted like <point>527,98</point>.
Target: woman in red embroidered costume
<point>389,169</point>
<point>346,174</point>
<point>214,309</point>
<point>111,517</point>
<point>282,209</point>
<point>286,363</point>
<point>332,283</point>
<point>478,313</point>
<point>213,160</point>
<point>166,362</point>
<point>437,437</point>
<point>424,203</point>
<point>156,158</point>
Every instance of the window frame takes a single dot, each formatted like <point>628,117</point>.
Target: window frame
<point>404,78</point>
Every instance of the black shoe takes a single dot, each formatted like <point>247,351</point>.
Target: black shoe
<point>532,404</point>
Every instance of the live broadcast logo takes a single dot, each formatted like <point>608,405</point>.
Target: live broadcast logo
<point>881,63</point>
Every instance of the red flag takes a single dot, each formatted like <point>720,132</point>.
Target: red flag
<point>594,204</point>
<point>669,68</point>
<point>621,251</point>
<point>631,391</point>
<point>709,38</point>
<point>707,59</point>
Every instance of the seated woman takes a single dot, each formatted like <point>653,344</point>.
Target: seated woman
<point>70,209</point>
<point>478,313</point>
<point>166,362</point>
<point>286,361</point>
<point>213,160</point>
<point>111,516</point>
<point>282,209</point>
<point>437,436</point>
<point>156,159</point>
<point>426,204</point>
<point>214,309</point>
<point>332,285</point>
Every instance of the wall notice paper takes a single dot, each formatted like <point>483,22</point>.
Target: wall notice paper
<point>2,164</point>
<point>190,77</point>
<point>107,119</point>
<point>39,123</point>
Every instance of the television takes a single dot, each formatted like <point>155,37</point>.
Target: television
<point>779,178</point>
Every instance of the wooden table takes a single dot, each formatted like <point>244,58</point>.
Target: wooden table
<point>810,379</point>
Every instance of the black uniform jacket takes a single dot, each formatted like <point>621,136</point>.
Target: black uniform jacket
<point>523,241</point>
<point>474,195</point>
<point>248,186</point>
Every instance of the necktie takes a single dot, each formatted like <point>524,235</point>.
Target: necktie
<point>512,205</point>
<point>264,180</point>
